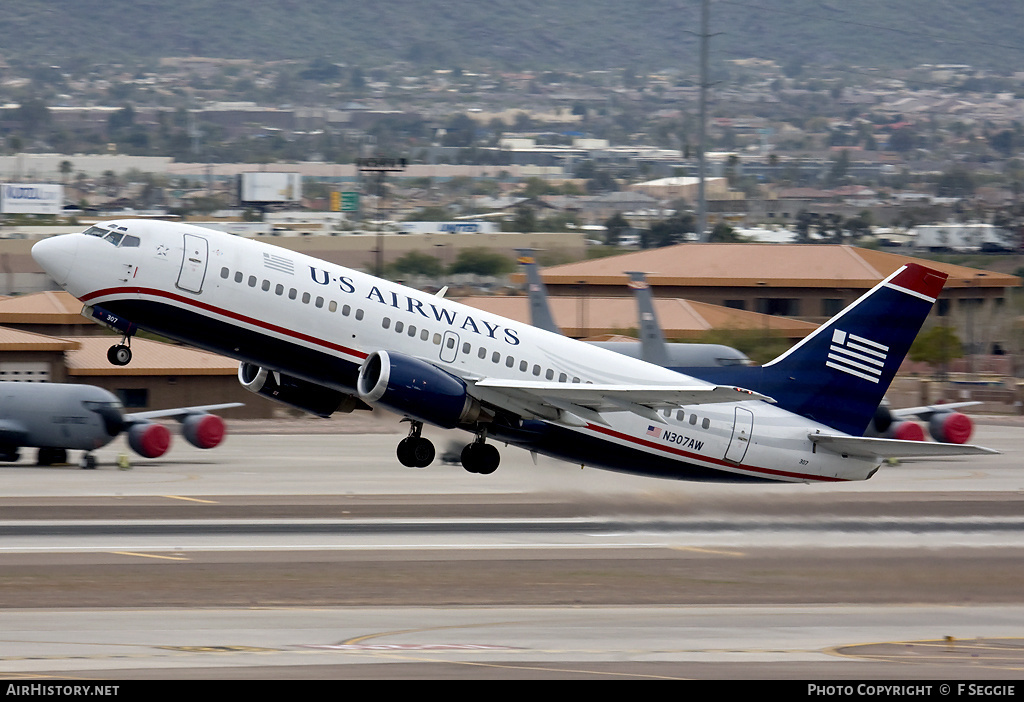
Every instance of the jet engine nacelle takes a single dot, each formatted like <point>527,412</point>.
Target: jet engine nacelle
<point>905,430</point>
<point>301,394</point>
<point>950,427</point>
<point>149,440</point>
<point>203,430</point>
<point>417,389</point>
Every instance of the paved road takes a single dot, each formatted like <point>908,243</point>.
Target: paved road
<point>320,557</point>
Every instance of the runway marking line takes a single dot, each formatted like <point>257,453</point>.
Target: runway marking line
<point>151,555</point>
<point>191,499</point>
<point>713,551</point>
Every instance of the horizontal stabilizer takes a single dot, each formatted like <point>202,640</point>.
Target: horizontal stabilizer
<point>871,447</point>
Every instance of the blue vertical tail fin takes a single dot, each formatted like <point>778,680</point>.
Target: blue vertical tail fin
<point>839,373</point>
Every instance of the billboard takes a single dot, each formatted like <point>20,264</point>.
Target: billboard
<point>31,198</point>
<point>270,187</point>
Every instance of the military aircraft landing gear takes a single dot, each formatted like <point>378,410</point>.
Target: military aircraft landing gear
<point>480,457</point>
<point>414,450</point>
<point>87,462</point>
<point>51,456</point>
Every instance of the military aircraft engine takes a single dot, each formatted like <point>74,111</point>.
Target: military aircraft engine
<point>149,439</point>
<point>950,427</point>
<point>203,431</point>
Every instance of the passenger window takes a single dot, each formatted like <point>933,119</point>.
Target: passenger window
<point>549,374</point>
<point>292,293</point>
<point>412,330</point>
<point>359,314</point>
<point>482,353</point>
<point>252,281</point>
<point>266,285</point>
<point>279,290</point>
<point>346,310</point>
<point>451,343</point>
<point>386,322</point>
<point>424,335</point>
<point>536,370</point>
<point>693,419</point>
<point>523,365</point>
<point>680,415</point>
<point>399,326</point>
<point>238,276</point>
<point>706,423</point>
<point>562,377</point>
<point>224,273</point>
<point>437,339</point>
<point>495,357</point>
<point>509,362</point>
<point>333,307</point>
<point>319,301</point>
<point>467,347</point>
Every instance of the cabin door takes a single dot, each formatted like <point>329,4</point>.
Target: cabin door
<point>193,263</point>
<point>742,428</point>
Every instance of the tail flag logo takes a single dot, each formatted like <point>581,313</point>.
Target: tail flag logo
<point>857,356</point>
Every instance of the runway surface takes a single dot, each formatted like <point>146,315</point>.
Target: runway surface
<point>319,556</point>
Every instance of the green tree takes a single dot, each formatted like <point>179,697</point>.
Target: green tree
<point>937,347</point>
<point>417,263</point>
<point>482,262</point>
<point>615,226</point>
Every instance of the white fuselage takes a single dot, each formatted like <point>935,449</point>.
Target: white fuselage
<point>319,321</point>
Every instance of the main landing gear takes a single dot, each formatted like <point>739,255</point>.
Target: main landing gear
<point>415,451</point>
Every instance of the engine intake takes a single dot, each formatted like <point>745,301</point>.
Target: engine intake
<point>417,389</point>
<point>149,440</point>
<point>301,394</point>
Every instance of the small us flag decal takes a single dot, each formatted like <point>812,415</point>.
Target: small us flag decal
<point>653,431</point>
<point>857,356</point>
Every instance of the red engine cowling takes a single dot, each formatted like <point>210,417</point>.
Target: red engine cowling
<point>907,431</point>
<point>951,427</point>
<point>149,440</point>
<point>203,431</point>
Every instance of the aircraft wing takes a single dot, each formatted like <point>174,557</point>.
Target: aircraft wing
<point>871,447</point>
<point>177,412</point>
<point>590,400</point>
<point>926,411</point>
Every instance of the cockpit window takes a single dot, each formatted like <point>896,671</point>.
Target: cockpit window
<point>113,236</point>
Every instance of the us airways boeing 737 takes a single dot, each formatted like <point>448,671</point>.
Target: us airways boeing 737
<point>327,338</point>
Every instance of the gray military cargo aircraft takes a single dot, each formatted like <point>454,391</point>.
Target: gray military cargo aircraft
<point>55,417</point>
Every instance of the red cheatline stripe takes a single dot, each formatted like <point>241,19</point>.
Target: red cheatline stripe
<point>181,299</point>
<point>694,456</point>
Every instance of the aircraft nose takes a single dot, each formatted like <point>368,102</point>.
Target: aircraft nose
<point>56,255</point>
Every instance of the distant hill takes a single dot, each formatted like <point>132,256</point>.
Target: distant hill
<point>565,34</point>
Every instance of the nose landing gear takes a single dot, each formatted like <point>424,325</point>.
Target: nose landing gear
<point>120,354</point>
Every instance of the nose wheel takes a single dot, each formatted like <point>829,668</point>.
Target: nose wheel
<point>120,354</point>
